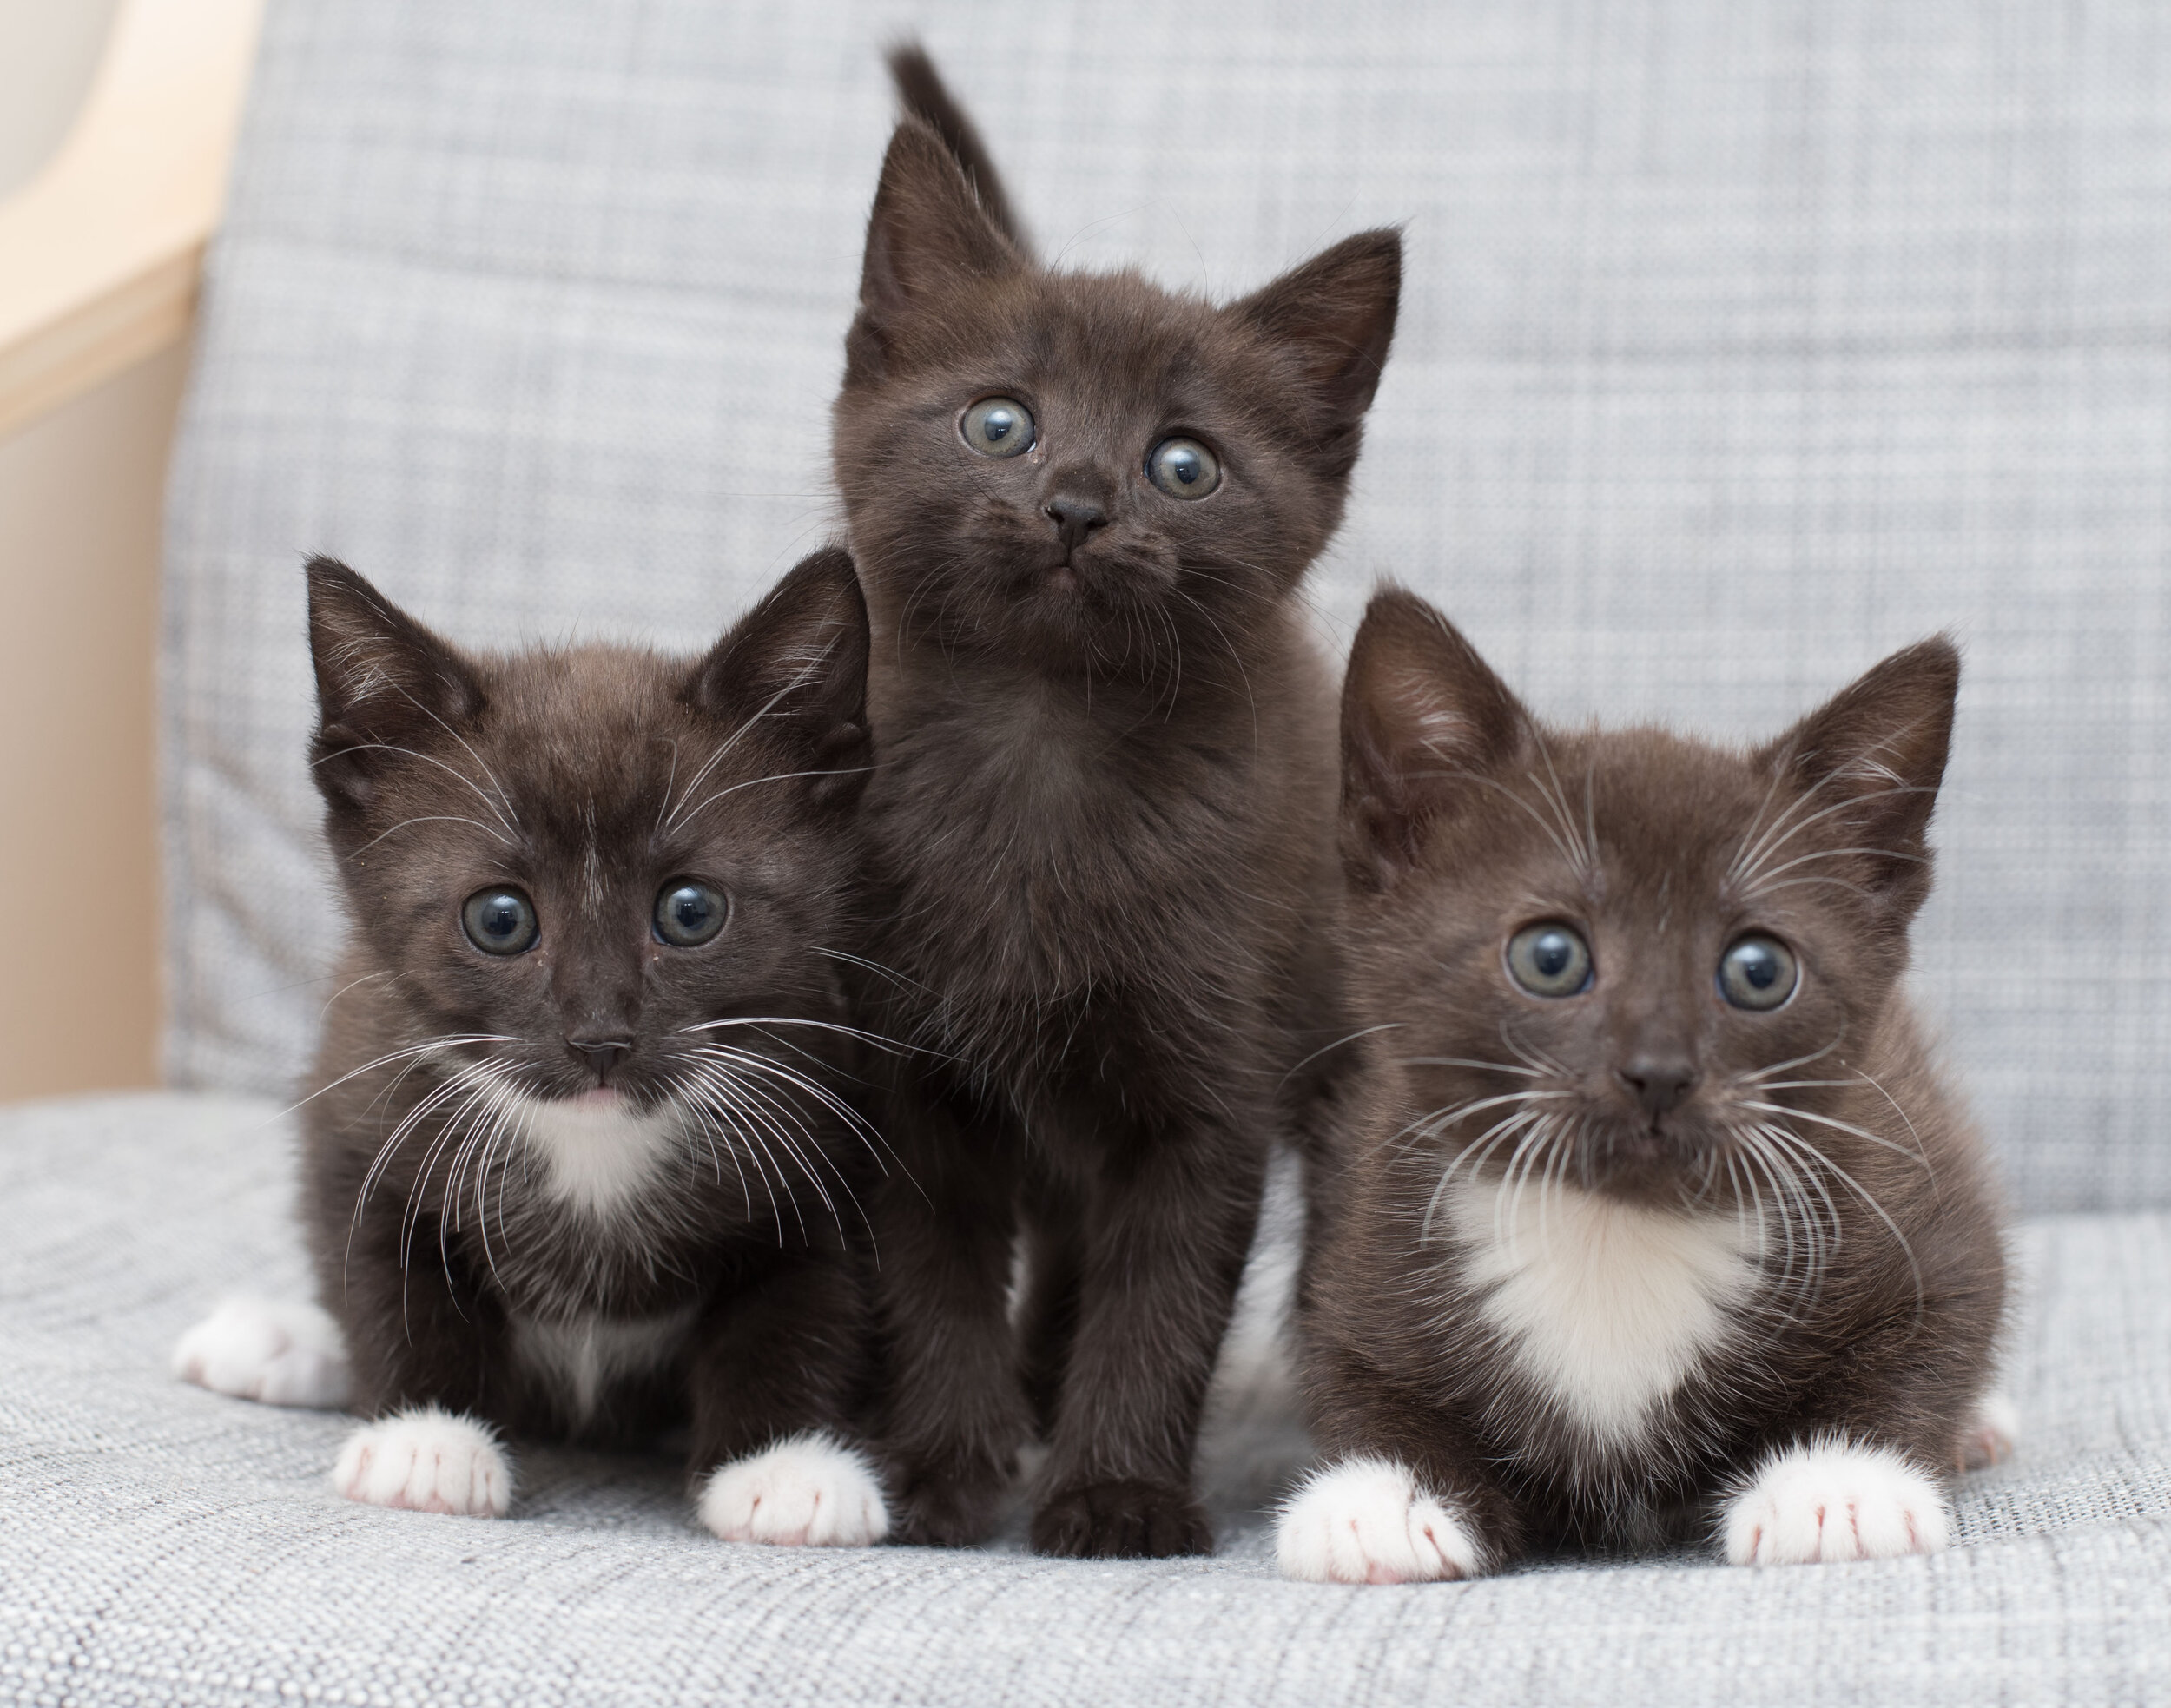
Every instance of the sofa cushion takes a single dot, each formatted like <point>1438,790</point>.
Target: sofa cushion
<point>1742,343</point>
<point>161,1543</point>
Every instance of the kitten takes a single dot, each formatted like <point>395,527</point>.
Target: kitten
<point>1081,507</point>
<point>578,1159</point>
<point>1664,1214</point>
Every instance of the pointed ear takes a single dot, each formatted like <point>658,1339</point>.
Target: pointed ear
<point>798,663</point>
<point>924,97</point>
<point>383,682</point>
<point>1335,314</point>
<point>1424,717</point>
<point>1865,769</point>
<point>927,235</point>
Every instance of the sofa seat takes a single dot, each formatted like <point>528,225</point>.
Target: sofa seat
<point>158,1542</point>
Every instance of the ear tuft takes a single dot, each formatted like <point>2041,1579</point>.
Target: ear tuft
<point>1337,314</point>
<point>1866,767</point>
<point>1423,716</point>
<point>797,662</point>
<point>383,682</point>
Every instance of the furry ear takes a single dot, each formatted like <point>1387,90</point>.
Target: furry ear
<point>383,682</point>
<point>922,92</point>
<point>1865,767</point>
<point>1336,312</point>
<point>798,662</point>
<point>1422,716</point>
<point>928,232</point>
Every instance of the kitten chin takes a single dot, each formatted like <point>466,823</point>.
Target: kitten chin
<point>1081,508</point>
<point>581,1157</point>
<point>1661,1223</point>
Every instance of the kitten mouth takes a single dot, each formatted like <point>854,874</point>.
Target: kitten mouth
<point>598,1096</point>
<point>1060,578</point>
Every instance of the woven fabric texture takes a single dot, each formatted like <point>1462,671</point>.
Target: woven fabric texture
<point>1743,342</point>
<point>159,1543</point>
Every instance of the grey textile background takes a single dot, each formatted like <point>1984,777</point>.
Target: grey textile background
<point>162,1543</point>
<point>1743,342</point>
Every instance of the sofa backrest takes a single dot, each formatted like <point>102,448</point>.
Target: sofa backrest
<point>1743,342</point>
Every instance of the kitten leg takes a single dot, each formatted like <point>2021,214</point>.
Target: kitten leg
<point>1164,1251</point>
<point>777,1368</point>
<point>277,1352</point>
<point>1830,1499</point>
<point>953,1411</point>
<point>1368,1521</point>
<point>427,1459</point>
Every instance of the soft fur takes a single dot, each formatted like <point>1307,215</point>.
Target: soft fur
<point>1102,821</point>
<point>607,1185</point>
<point>1632,1263</point>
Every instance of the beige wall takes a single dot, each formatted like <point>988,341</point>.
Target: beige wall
<point>80,493</point>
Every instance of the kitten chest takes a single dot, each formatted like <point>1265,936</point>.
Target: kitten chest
<point>1605,1308</point>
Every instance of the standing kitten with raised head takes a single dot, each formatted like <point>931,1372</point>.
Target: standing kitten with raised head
<point>579,1159</point>
<point>1081,507</point>
<point>1665,1217</point>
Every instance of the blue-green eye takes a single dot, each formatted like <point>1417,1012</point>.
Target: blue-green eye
<point>1758,972</point>
<point>998,427</point>
<point>688,914</point>
<point>500,920</point>
<point>1550,960</point>
<point>1183,468</point>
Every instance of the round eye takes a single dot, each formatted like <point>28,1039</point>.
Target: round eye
<point>998,427</point>
<point>1550,960</point>
<point>687,914</point>
<point>500,921</point>
<point>1183,468</point>
<point>1758,972</point>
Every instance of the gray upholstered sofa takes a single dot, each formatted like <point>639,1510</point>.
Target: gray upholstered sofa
<point>1743,342</point>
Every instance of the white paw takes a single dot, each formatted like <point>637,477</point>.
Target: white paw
<point>1989,1441</point>
<point>1830,1500</point>
<point>426,1461</point>
<point>809,1491</point>
<point>1366,1521</point>
<point>278,1352</point>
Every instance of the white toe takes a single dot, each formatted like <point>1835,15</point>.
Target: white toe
<point>1989,1441</point>
<point>426,1461</point>
<point>809,1491</point>
<point>1366,1521</point>
<point>1830,1500</point>
<point>278,1352</point>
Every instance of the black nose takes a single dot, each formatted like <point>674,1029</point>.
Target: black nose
<point>600,1055</point>
<point>1658,1081</point>
<point>1074,518</point>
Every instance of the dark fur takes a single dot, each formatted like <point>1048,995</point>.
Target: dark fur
<point>1463,820</point>
<point>1103,816</point>
<point>589,776</point>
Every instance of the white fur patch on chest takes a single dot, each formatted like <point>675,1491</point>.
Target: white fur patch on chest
<point>1606,1307</point>
<point>598,1154</point>
<point>582,1358</point>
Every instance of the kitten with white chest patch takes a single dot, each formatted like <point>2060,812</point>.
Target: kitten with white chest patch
<point>1663,1220</point>
<point>580,1158</point>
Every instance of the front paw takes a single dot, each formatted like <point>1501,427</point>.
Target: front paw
<point>1366,1521</point>
<point>427,1459</point>
<point>280,1354</point>
<point>1832,1500</point>
<point>951,1505</point>
<point>1122,1520</point>
<point>1988,1440</point>
<point>808,1492</point>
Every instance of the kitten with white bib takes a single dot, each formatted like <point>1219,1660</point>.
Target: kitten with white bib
<point>580,1156</point>
<point>1665,1226</point>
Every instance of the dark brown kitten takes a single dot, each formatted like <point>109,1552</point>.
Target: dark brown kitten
<point>1664,1217</point>
<point>580,1160</point>
<point>1081,507</point>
